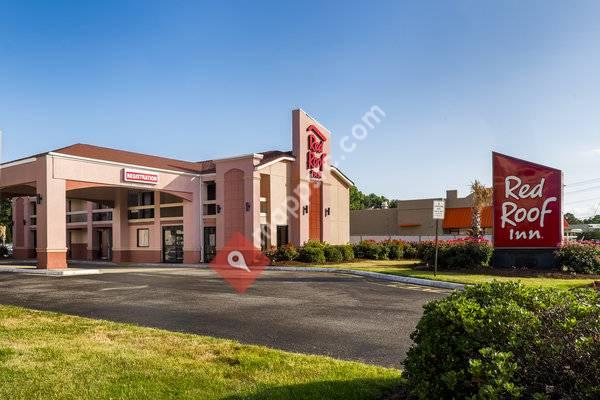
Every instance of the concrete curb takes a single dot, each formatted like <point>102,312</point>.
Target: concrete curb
<point>52,272</point>
<point>375,275</point>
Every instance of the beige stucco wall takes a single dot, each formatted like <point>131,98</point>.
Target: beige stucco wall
<point>387,222</point>
<point>339,220</point>
<point>279,190</point>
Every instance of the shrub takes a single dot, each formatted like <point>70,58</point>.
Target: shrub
<point>347,251</point>
<point>315,244</point>
<point>503,340</point>
<point>579,257</point>
<point>394,249</point>
<point>312,254</point>
<point>283,253</point>
<point>462,253</point>
<point>333,254</point>
<point>371,249</point>
<point>410,251</point>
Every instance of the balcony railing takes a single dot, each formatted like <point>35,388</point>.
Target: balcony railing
<point>76,217</point>
<point>102,215</point>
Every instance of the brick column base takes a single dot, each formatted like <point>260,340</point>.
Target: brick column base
<point>191,256</point>
<point>51,259</point>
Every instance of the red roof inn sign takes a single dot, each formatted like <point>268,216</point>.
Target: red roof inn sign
<point>314,161</point>
<point>527,204</point>
<point>135,176</point>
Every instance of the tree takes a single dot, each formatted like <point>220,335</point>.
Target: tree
<point>356,199</point>
<point>360,201</point>
<point>592,220</point>
<point>572,219</point>
<point>482,197</point>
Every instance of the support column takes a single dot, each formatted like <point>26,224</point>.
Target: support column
<point>51,219</point>
<point>120,227</point>
<point>20,228</point>
<point>90,231</point>
<point>252,196</point>
<point>192,228</point>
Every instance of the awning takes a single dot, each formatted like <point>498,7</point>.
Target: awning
<point>457,218</point>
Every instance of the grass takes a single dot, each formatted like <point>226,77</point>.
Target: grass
<point>415,270</point>
<point>47,355</point>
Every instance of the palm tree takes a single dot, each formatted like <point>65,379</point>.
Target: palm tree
<point>482,197</point>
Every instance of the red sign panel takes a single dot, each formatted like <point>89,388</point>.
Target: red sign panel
<point>315,158</point>
<point>527,204</point>
<point>130,175</point>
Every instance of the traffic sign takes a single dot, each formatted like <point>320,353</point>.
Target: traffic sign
<point>439,209</point>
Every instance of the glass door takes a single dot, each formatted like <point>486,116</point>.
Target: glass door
<point>173,244</point>
<point>210,243</point>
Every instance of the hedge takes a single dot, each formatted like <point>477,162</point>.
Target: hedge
<point>582,257</point>
<point>460,253</point>
<point>504,340</point>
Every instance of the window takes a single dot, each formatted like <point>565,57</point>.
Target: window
<point>211,191</point>
<point>143,237</point>
<point>136,199</point>
<point>142,203</point>
<point>282,235</point>
<point>170,212</point>
<point>141,214</point>
<point>168,198</point>
<point>210,209</point>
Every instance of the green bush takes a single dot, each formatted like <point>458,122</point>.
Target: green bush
<point>503,340</point>
<point>283,253</point>
<point>371,249</point>
<point>315,244</point>
<point>333,254</point>
<point>453,254</point>
<point>312,254</point>
<point>394,249</point>
<point>579,257</point>
<point>410,251</point>
<point>347,251</point>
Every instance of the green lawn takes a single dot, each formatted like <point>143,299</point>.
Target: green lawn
<point>47,355</point>
<point>410,268</point>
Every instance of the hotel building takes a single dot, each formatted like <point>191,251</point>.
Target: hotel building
<point>94,203</point>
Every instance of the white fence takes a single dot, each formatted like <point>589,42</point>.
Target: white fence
<point>417,239</point>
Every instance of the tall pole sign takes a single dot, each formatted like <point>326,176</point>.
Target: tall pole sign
<point>528,221</point>
<point>439,211</point>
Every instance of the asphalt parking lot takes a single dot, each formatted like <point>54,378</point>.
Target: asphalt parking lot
<point>320,313</point>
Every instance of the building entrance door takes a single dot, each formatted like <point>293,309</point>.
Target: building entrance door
<point>315,213</point>
<point>210,243</point>
<point>173,244</point>
<point>103,242</point>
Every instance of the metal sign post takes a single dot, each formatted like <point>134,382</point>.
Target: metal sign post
<point>439,209</point>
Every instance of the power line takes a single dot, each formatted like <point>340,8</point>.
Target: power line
<point>583,190</point>
<point>579,183</point>
<point>582,201</point>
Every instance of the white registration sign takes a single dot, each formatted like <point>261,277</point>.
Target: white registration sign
<point>132,175</point>
<point>439,209</point>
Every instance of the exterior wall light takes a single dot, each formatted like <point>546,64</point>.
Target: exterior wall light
<point>327,211</point>
<point>38,198</point>
<point>218,209</point>
<point>304,210</point>
<point>247,206</point>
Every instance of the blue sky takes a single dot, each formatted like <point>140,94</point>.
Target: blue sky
<point>194,80</point>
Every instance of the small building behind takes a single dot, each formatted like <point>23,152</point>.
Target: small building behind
<point>413,220</point>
